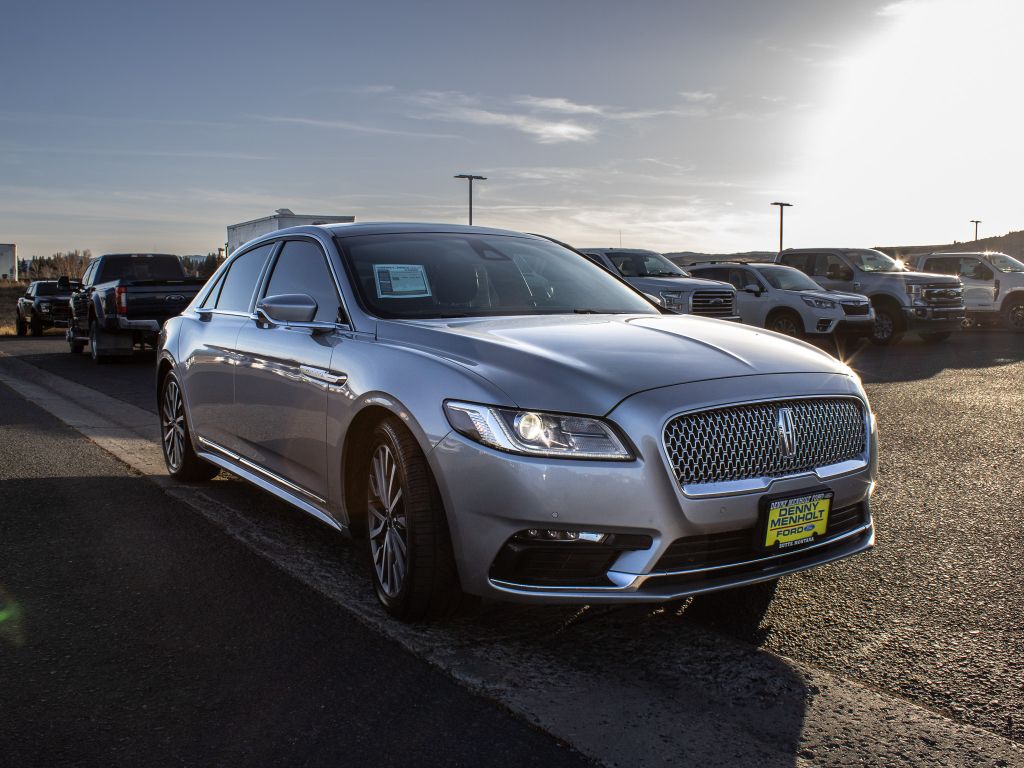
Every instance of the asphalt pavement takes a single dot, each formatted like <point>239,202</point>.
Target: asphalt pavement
<point>135,633</point>
<point>932,615</point>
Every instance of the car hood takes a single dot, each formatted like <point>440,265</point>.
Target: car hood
<point>655,285</point>
<point>918,278</point>
<point>830,295</point>
<point>590,363</point>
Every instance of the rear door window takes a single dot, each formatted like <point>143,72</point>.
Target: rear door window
<point>240,283</point>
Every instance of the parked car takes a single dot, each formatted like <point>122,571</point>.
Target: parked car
<point>993,284</point>
<point>44,305</point>
<point>124,300</point>
<point>655,275</point>
<point>785,300</point>
<point>502,417</point>
<point>931,305</point>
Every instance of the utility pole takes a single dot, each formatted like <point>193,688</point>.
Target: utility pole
<point>782,206</point>
<point>975,222</point>
<point>471,178</point>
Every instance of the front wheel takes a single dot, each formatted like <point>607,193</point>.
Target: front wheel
<point>20,326</point>
<point>413,568</point>
<point>786,323</point>
<point>179,455</point>
<point>36,325</point>
<point>1015,316</point>
<point>889,327</point>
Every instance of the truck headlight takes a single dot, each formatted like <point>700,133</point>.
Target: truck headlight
<point>811,301</point>
<point>916,294</point>
<point>536,433</point>
<point>673,298</point>
<point>44,306</point>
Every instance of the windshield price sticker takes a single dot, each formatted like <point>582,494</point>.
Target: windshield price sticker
<point>401,281</point>
<point>797,521</point>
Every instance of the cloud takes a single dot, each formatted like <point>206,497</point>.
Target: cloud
<point>698,97</point>
<point>453,106</point>
<point>346,125</point>
<point>565,106</point>
<point>559,104</point>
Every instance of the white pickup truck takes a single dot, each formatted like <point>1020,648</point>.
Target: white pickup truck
<point>993,284</point>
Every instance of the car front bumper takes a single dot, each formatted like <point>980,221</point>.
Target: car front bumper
<point>934,319</point>
<point>491,497</point>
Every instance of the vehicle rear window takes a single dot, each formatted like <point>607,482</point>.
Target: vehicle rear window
<point>469,275</point>
<point>47,289</point>
<point>302,268</point>
<point>141,267</point>
<point>240,283</point>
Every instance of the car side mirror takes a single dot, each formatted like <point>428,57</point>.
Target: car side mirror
<point>286,308</point>
<point>754,289</point>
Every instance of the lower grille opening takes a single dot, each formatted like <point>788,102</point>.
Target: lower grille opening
<point>549,563</point>
<point>720,549</point>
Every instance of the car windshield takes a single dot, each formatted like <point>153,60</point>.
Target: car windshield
<point>788,279</point>
<point>875,261</point>
<point>48,289</point>
<point>645,264</point>
<point>434,275</point>
<point>1005,263</point>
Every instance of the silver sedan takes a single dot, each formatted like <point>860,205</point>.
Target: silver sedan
<point>498,416</point>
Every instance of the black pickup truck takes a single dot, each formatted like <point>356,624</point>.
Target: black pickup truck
<point>125,299</point>
<point>44,305</point>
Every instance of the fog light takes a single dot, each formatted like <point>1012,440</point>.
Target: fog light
<point>551,534</point>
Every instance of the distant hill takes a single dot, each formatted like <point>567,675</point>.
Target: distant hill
<point>1012,244</point>
<point>684,258</point>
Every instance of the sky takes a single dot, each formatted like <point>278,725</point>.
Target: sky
<point>664,124</point>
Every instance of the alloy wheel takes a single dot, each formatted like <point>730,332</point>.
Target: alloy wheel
<point>1016,317</point>
<point>389,541</point>
<point>883,326</point>
<point>785,325</point>
<point>172,421</point>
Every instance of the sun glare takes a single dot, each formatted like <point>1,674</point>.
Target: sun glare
<point>922,129</point>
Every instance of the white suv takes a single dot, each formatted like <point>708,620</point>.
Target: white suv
<point>785,300</point>
<point>993,284</point>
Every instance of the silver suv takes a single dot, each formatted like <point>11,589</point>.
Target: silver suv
<point>932,305</point>
<point>993,284</point>
<point>654,274</point>
<point>785,300</point>
<point>498,415</point>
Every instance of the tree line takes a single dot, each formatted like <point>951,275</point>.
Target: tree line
<point>73,263</point>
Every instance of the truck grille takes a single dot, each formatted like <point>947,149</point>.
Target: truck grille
<point>852,308</point>
<point>745,442</point>
<point>943,295</point>
<point>712,303</point>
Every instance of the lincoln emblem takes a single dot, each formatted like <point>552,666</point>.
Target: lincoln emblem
<point>787,432</point>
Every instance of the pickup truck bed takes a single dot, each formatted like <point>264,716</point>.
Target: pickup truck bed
<point>125,300</point>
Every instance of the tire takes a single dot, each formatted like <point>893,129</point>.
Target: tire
<point>935,338</point>
<point>1014,316</point>
<point>411,561</point>
<point>175,443</point>
<point>20,326</point>
<point>94,345</point>
<point>787,323</point>
<point>36,324</point>
<point>75,346</point>
<point>889,326</point>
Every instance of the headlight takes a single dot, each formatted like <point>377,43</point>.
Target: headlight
<point>673,298</point>
<point>810,301</point>
<point>44,306</point>
<point>534,433</point>
<point>916,294</point>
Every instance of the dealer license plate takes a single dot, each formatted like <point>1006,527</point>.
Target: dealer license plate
<point>795,521</point>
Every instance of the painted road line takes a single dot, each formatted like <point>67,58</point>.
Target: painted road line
<point>624,701</point>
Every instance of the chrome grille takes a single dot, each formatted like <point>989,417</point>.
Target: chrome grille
<point>743,442</point>
<point>712,303</point>
<point>943,295</point>
<point>856,308</point>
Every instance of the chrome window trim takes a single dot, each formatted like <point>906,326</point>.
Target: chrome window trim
<point>325,251</point>
<point>750,485</point>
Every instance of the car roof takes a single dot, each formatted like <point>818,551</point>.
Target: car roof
<point>407,227</point>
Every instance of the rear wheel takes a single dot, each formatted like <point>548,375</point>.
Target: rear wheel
<point>74,345</point>
<point>179,455</point>
<point>1015,316</point>
<point>94,344</point>
<point>20,326</point>
<point>787,323</point>
<point>413,568</point>
<point>889,326</point>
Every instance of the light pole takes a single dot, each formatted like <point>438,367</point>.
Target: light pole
<point>975,222</point>
<point>470,178</point>
<point>782,206</point>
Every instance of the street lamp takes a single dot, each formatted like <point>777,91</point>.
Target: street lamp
<point>975,222</point>
<point>470,178</point>
<point>781,207</point>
